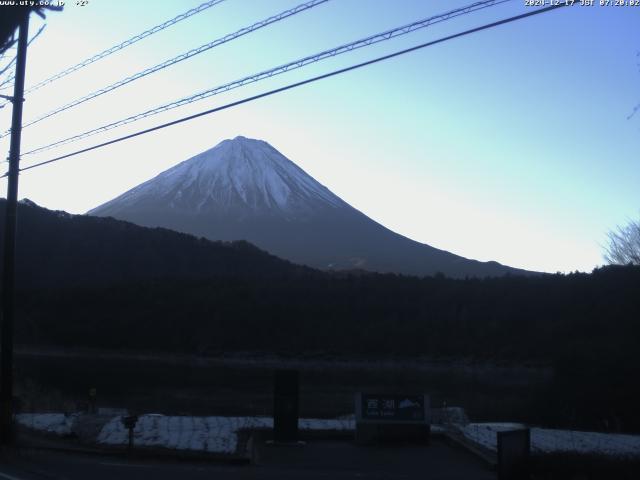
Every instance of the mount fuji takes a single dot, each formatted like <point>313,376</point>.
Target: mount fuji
<point>244,189</point>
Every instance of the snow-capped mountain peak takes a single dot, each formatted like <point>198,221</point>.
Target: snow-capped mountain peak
<point>244,189</point>
<point>237,173</point>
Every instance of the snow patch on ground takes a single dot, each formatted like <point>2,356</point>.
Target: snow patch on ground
<point>205,434</point>
<point>545,440</point>
<point>220,434</point>
<point>58,423</point>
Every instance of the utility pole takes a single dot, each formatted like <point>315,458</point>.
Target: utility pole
<point>9,260</point>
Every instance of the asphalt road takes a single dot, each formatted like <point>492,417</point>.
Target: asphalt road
<point>315,460</point>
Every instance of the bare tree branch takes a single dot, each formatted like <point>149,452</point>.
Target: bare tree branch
<point>624,245</point>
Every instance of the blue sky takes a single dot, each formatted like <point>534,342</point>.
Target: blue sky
<point>511,144</point>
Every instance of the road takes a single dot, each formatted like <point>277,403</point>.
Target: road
<point>316,460</point>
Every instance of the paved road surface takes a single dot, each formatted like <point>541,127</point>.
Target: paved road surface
<point>316,460</point>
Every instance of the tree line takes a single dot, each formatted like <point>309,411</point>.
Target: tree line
<point>100,283</point>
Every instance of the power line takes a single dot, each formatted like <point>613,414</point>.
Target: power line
<point>121,45</point>
<point>379,37</point>
<point>11,76</point>
<point>126,43</point>
<point>191,53</point>
<point>301,83</point>
<point>6,83</point>
<point>38,33</point>
<point>8,65</point>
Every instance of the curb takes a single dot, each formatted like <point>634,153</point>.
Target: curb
<point>36,443</point>
<point>487,456</point>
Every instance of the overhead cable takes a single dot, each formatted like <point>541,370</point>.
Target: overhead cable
<point>11,76</point>
<point>364,42</point>
<point>136,38</point>
<point>301,83</point>
<point>184,56</point>
<point>120,46</point>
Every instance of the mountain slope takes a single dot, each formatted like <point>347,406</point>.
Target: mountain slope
<point>245,189</point>
<point>57,249</point>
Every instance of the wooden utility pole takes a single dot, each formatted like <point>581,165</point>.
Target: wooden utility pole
<point>9,260</point>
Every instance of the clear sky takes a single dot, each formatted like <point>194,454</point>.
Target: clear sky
<point>512,144</point>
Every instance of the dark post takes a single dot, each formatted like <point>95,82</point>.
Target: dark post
<point>93,393</point>
<point>514,447</point>
<point>8,271</point>
<point>129,423</point>
<point>285,406</point>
